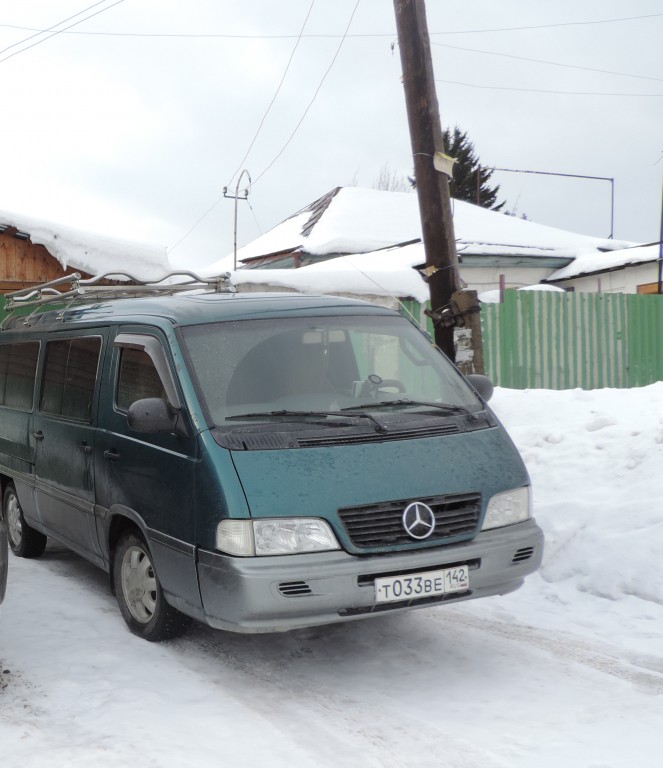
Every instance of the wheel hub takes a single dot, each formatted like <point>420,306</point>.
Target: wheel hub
<point>14,521</point>
<point>139,584</point>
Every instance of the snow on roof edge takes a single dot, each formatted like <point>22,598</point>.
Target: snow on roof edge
<point>90,252</point>
<point>592,263</point>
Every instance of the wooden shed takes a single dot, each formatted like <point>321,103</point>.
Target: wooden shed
<point>34,251</point>
<point>22,263</point>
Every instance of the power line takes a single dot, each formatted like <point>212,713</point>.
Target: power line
<point>57,31</point>
<point>292,135</point>
<point>550,63</point>
<point>541,90</point>
<point>43,31</point>
<point>315,95</point>
<point>357,34</point>
<point>278,89</point>
<point>345,35</point>
<point>195,224</point>
<point>549,26</point>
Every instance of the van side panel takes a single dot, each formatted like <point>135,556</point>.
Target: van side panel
<point>219,493</point>
<point>148,479</point>
<point>17,457</point>
<point>18,367</point>
<point>64,430</point>
<point>17,448</point>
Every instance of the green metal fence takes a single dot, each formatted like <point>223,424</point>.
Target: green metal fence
<point>549,340</point>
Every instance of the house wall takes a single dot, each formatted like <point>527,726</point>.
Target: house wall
<point>477,278</point>
<point>488,278</point>
<point>631,279</point>
<point>23,264</point>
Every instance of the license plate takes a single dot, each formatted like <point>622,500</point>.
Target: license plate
<point>393,589</point>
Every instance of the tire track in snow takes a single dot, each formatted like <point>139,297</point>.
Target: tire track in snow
<point>639,669</point>
<point>336,728</point>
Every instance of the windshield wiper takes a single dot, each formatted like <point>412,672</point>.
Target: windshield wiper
<point>448,407</point>
<point>379,426</point>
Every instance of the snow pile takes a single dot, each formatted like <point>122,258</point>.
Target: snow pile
<point>595,459</point>
<point>90,252</point>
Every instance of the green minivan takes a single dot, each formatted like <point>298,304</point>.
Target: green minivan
<point>258,462</point>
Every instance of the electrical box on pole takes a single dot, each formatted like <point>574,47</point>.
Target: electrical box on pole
<point>427,147</point>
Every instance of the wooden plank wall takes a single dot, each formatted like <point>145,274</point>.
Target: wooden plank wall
<point>22,263</point>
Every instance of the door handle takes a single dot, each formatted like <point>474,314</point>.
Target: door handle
<point>38,435</point>
<point>111,455</point>
<point>85,448</point>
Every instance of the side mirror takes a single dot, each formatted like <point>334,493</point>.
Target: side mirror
<point>482,384</point>
<point>152,415</point>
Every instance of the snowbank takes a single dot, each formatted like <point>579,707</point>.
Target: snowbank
<point>595,459</point>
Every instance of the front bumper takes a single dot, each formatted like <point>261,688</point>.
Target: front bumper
<point>274,594</point>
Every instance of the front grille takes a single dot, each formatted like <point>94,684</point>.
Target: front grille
<point>381,525</point>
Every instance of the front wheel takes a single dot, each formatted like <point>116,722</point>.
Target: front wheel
<point>24,541</point>
<point>139,593</point>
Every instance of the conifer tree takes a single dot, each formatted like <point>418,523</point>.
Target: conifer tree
<point>465,185</point>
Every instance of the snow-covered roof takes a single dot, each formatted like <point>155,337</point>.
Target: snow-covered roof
<point>92,253</point>
<point>379,273</point>
<point>354,220</point>
<point>591,263</point>
<point>368,224</point>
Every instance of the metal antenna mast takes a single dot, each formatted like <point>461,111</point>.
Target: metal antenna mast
<point>236,197</point>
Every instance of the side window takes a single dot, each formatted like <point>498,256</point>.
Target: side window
<point>18,369</point>
<point>138,379</point>
<point>70,372</point>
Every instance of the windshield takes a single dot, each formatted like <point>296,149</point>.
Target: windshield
<point>297,366</point>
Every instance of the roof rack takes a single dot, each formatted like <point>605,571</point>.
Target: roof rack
<point>78,290</point>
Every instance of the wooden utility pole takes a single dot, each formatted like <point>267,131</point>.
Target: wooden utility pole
<point>432,185</point>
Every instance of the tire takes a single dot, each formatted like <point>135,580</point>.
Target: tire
<point>24,541</point>
<point>139,592</point>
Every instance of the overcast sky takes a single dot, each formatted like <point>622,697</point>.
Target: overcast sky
<point>131,122</point>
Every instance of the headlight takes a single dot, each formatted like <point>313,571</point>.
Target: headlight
<point>276,536</point>
<point>507,508</point>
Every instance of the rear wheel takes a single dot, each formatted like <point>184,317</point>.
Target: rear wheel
<point>139,593</point>
<point>24,541</point>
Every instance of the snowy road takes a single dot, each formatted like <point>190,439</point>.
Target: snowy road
<point>480,684</point>
<point>565,673</point>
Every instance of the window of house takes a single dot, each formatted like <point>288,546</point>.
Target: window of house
<point>70,373</point>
